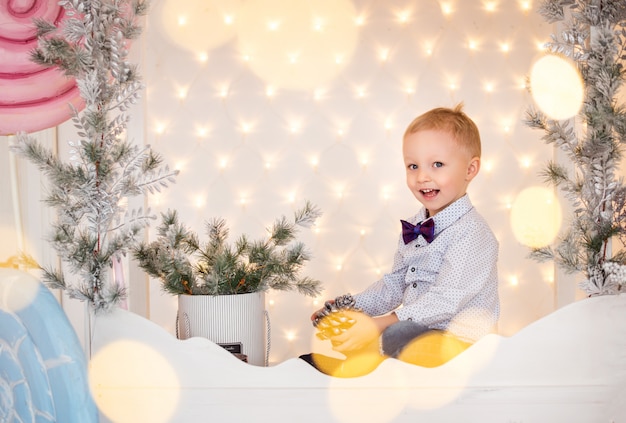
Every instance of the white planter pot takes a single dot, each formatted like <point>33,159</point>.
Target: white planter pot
<point>237,322</point>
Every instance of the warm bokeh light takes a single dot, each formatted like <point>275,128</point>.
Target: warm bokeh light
<point>536,217</point>
<point>17,290</point>
<point>118,376</point>
<point>557,87</point>
<point>299,48</point>
<point>199,25</point>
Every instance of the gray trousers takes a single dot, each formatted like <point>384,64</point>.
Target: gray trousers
<point>399,335</point>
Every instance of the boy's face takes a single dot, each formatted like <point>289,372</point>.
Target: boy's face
<point>438,169</point>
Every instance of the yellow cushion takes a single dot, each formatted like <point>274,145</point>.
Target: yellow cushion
<point>433,349</point>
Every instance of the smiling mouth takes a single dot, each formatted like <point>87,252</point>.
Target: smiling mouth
<point>429,193</point>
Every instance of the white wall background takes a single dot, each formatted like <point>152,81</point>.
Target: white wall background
<point>254,135</point>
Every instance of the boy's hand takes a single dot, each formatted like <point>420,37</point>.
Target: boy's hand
<point>362,332</point>
<point>319,312</point>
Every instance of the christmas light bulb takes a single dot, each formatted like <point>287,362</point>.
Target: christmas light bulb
<point>294,127</point>
<point>490,6</point>
<point>403,17</point>
<point>182,92</point>
<point>199,201</point>
<point>159,128</point>
<point>318,25</point>
<point>522,84</point>
<point>383,54</point>
<point>293,58</point>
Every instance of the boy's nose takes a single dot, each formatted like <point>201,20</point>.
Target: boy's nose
<point>422,175</point>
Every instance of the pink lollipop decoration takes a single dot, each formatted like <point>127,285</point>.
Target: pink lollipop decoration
<point>32,97</point>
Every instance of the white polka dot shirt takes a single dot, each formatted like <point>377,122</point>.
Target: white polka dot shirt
<point>449,284</point>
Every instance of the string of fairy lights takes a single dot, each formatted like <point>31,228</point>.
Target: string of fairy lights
<point>269,102</point>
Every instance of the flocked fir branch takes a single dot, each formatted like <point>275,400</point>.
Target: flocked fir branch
<point>89,192</point>
<point>186,266</point>
<point>593,35</point>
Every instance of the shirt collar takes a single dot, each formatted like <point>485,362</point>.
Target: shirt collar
<point>449,215</point>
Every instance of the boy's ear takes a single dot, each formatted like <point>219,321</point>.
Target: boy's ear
<point>472,168</point>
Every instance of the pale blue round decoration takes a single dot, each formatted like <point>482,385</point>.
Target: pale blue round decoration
<point>43,369</point>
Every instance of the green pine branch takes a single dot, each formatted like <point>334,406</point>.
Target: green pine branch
<point>184,265</point>
<point>594,36</point>
<point>88,192</point>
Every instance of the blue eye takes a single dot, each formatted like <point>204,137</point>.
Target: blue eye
<point>412,166</point>
<point>437,164</point>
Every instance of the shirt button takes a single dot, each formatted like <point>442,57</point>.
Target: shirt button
<point>410,318</point>
<point>414,284</point>
<point>412,269</point>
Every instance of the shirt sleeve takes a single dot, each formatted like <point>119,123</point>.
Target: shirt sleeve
<point>468,272</point>
<point>386,294</point>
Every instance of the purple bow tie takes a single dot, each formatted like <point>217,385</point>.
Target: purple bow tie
<point>425,228</point>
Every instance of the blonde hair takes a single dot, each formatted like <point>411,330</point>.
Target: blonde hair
<point>453,121</point>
